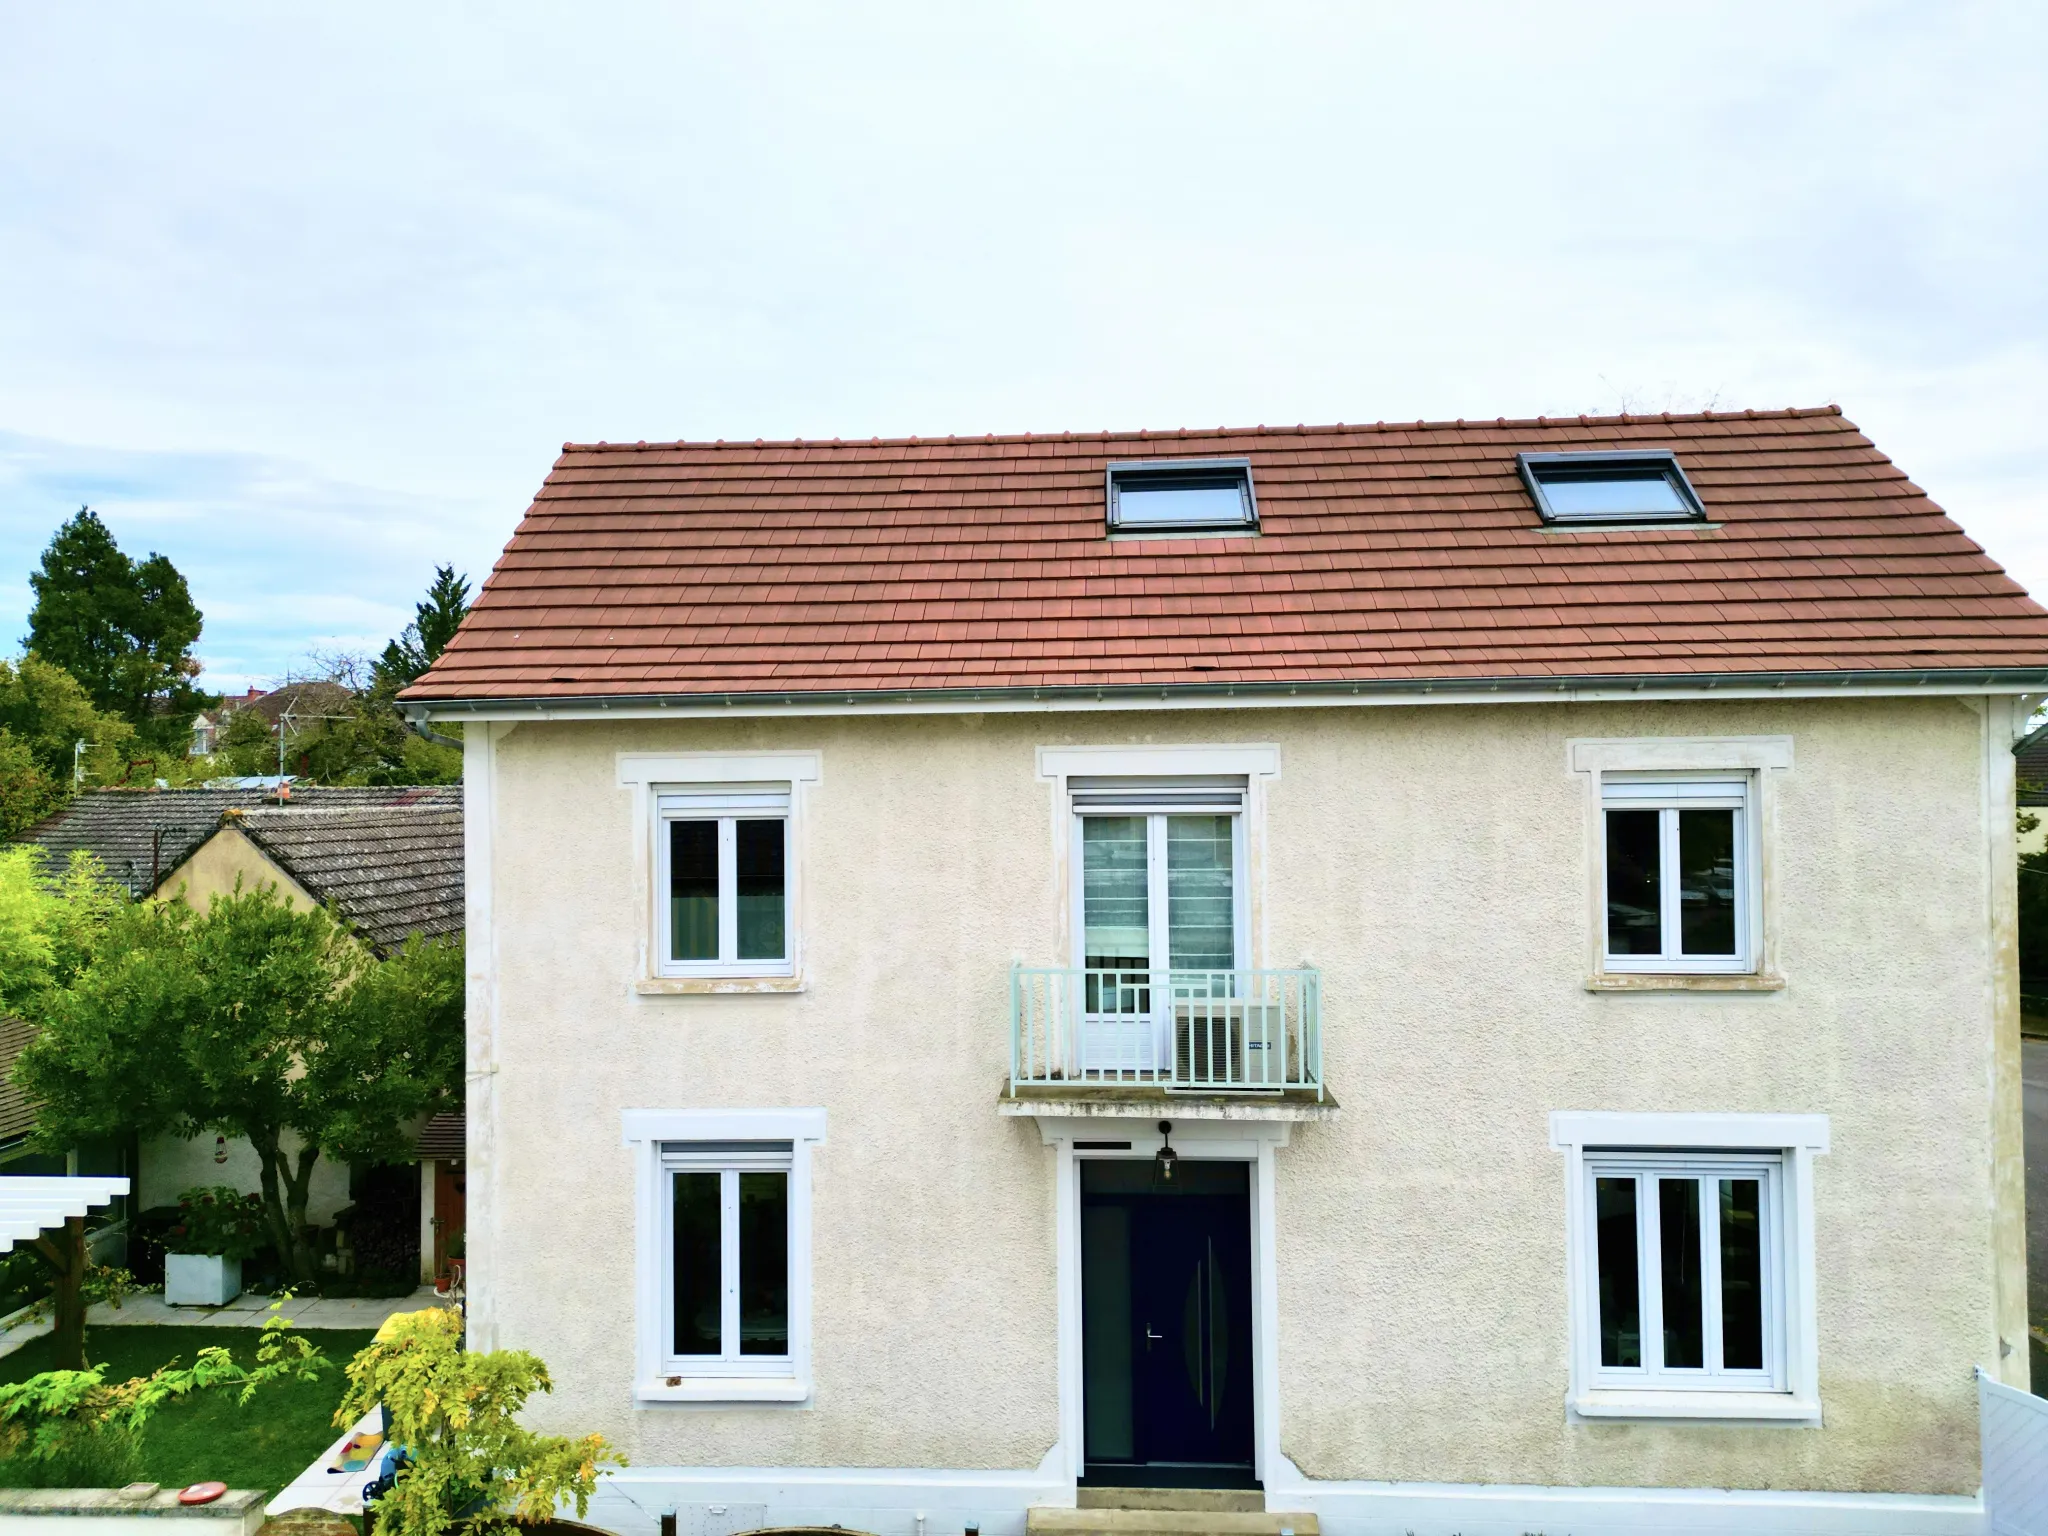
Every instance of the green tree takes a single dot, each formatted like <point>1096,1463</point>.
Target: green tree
<point>435,621</point>
<point>456,1412</point>
<point>49,933</point>
<point>371,743</point>
<point>253,1020</point>
<point>50,930</point>
<point>124,629</point>
<point>247,744</point>
<point>44,714</point>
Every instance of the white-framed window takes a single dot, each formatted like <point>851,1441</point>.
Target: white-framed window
<point>1690,1254</point>
<point>724,1249</point>
<point>727,1257</point>
<point>722,876</point>
<point>1678,872</point>
<point>1687,1269</point>
<point>1161,863</point>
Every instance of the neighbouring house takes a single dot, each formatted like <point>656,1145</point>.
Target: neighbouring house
<point>209,723</point>
<point>443,1197</point>
<point>316,699</point>
<point>2030,766</point>
<point>1435,977</point>
<point>388,860</point>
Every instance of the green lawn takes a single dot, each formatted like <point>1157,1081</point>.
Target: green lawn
<point>211,1436</point>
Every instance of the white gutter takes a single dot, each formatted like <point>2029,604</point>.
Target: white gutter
<point>1946,681</point>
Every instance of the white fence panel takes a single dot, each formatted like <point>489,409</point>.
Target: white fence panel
<point>2014,1426</point>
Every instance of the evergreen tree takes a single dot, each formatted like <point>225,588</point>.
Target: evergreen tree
<point>434,624</point>
<point>124,629</point>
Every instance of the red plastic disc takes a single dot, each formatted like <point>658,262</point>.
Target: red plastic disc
<point>201,1493</point>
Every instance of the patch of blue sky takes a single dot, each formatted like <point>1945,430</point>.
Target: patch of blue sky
<point>283,562</point>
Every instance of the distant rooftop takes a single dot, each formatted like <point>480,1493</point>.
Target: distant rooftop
<point>391,870</point>
<point>141,835</point>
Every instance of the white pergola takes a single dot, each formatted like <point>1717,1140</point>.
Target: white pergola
<point>31,1204</point>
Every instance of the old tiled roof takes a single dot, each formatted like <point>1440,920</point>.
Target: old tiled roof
<point>17,1115</point>
<point>141,835</point>
<point>1389,554</point>
<point>390,870</point>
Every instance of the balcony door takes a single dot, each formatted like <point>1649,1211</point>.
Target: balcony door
<point>1160,911</point>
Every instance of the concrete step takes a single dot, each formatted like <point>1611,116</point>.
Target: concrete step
<point>1236,1501</point>
<point>1167,1522</point>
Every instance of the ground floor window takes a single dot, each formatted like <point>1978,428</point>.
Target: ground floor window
<point>728,1252</point>
<point>724,1253</point>
<point>1686,1269</point>
<point>1689,1243</point>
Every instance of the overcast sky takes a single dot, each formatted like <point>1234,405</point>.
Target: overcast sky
<point>308,298</point>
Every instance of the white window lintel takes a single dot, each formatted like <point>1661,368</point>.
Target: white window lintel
<point>658,1125</point>
<point>646,768</point>
<point>1254,760</point>
<point>1680,754</point>
<point>1678,1130</point>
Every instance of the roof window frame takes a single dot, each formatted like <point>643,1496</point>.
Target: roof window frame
<point>1665,462</point>
<point>1127,469</point>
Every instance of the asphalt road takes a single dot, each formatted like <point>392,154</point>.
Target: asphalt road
<point>2034,1073</point>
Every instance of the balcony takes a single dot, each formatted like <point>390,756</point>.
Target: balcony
<point>1122,1033</point>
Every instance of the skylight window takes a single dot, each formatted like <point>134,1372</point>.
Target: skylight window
<point>1182,494</point>
<point>1610,488</point>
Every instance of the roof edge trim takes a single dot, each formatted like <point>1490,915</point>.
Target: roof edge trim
<point>1943,681</point>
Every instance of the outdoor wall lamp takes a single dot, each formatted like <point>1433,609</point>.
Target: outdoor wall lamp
<point>1163,1163</point>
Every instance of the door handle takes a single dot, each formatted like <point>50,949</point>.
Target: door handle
<point>1152,1338</point>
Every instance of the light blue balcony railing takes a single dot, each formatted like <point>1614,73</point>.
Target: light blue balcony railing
<point>1239,1031</point>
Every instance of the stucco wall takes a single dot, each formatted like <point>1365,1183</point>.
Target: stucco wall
<point>1433,862</point>
<point>220,863</point>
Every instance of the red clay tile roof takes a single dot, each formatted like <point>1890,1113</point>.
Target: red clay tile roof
<point>1387,553</point>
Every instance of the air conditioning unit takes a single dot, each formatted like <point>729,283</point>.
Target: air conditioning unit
<point>1229,1043</point>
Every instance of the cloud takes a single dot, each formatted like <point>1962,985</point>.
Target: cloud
<point>345,278</point>
<point>281,560</point>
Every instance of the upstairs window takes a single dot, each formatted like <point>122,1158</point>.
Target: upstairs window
<point>1181,495</point>
<point>723,871</point>
<point>1678,873</point>
<point>1592,488</point>
<point>1161,865</point>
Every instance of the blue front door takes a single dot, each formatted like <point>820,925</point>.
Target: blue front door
<point>1166,1323</point>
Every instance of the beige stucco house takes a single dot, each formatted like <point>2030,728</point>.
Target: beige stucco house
<point>1434,978</point>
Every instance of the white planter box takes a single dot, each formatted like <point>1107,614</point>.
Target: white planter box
<point>201,1279</point>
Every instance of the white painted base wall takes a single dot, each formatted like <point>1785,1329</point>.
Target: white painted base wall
<point>721,1501</point>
